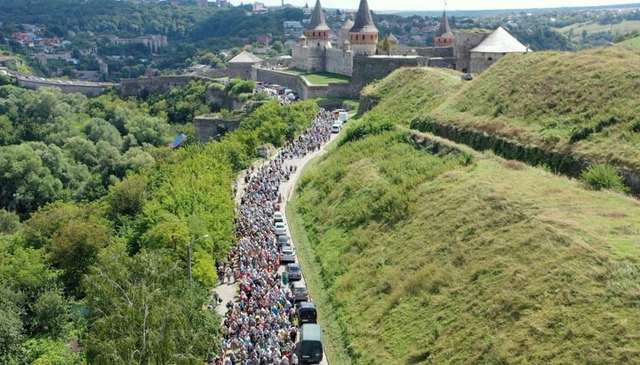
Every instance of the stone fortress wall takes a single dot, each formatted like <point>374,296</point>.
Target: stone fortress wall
<point>463,44</point>
<point>339,61</point>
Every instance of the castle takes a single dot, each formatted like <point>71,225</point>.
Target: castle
<point>471,52</point>
<point>315,52</point>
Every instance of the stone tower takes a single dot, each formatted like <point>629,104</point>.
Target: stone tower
<point>317,33</point>
<point>444,37</point>
<point>343,33</point>
<point>364,34</point>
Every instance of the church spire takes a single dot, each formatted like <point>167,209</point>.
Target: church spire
<point>364,21</point>
<point>444,25</point>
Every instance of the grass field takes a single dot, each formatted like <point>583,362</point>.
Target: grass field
<point>586,103</point>
<point>622,28</point>
<point>321,78</point>
<point>430,260</point>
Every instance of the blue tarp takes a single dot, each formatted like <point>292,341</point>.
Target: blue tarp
<point>178,141</point>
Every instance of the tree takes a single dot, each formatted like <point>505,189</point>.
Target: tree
<point>143,312</point>
<point>9,222</point>
<point>50,314</point>
<point>75,247</point>
<point>128,196</point>
<point>10,329</point>
<point>100,130</point>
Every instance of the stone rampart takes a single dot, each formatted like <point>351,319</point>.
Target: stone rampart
<point>82,87</point>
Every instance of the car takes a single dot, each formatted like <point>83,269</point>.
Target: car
<point>467,77</point>
<point>343,117</point>
<point>294,272</point>
<point>287,255</point>
<point>282,240</point>
<point>300,292</point>
<point>336,127</point>
<point>307,313</point>
<point>310,348</point>
<point>280,228</point>
<point>278,217</point>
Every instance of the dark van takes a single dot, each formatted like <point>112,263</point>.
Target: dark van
<point>310,347</point>
<point>307,313</point>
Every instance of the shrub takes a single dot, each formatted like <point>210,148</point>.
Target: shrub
<point>9,222</point>
<point>599,177</point>
<point>366,128</point>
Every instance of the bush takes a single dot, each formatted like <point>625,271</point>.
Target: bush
<point>9,222</point>
<point>366,128</point>
<point>603,177</point>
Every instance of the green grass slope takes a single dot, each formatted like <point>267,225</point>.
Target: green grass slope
<point>586,103</point>
<point>633,42</point>
<point>414,91</point>
<point>439,260</point>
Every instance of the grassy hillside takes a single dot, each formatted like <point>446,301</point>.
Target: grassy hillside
<point>575,31</point>
<point>586,103</point>
<point>632,42</point>
<point>415,91</point>
<point>439,260</point>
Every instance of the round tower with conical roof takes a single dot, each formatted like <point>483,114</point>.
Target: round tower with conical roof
<point>343,33</point>
<point>364,33</point>
<point>317,32</point>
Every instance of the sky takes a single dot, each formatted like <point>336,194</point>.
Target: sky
<point>452,4</point>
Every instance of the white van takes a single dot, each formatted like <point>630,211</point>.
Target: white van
<point>343,117</point>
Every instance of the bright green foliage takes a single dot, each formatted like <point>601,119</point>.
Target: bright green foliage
<point>599,177</point>
<point>204,269</point>
<point>46,351</point>
<point>363,128</point>
<point>128,196</point>
<point>50,314</point>
<point>57,146</point>
<point>10,329</point>
<point>144,313</point>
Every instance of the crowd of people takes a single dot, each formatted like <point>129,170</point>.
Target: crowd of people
<point>260,326</point>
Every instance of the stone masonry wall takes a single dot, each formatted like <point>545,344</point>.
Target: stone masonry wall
<point>339,61</point>
<point>369,69</point>
<point>465,41</point>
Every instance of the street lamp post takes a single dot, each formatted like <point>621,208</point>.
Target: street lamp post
<point>193,240</point>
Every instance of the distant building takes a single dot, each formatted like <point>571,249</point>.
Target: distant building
<point>260,8</point>
<point>241,66</point>
<point>264,39</point>
<point>203,3</point>
<point>497,45</point>
<point>154,42</point>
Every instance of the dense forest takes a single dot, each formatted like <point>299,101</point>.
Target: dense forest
<point>188,23</point>
<point>99,218</point>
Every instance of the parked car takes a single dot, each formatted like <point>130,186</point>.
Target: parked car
<point>336,127</point>
<point>287,255</point>
<point>294,272</point>
<point>280,228</point>
<point>282,240</point>
<point>343,117</point>
<point>300,292</point>
<point>307,313</point>
<point>310,348</point>
<point>278,217</point>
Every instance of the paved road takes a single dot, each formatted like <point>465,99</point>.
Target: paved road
<point>227,292</point>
